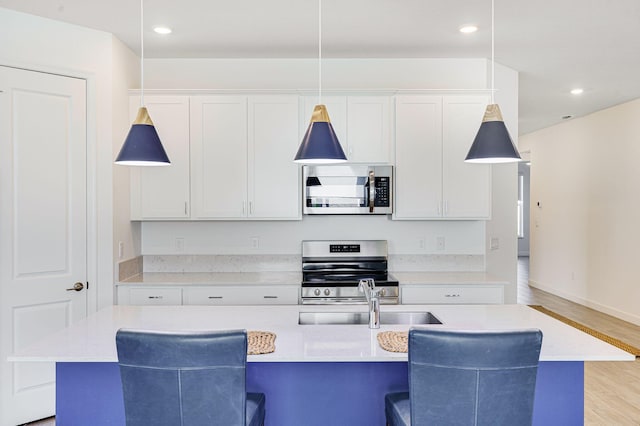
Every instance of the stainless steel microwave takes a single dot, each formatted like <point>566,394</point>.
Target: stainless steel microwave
<point>347,189</point>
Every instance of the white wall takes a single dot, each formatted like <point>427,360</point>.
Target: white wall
<point>584,232</point>
<point>503,261</point>
<point>126,75</point>
<point>337,74</point>
<point>348,74</point>
<point>39,44</point>
<point>284,237</point>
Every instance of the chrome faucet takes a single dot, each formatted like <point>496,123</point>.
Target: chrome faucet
<point>368,287</point>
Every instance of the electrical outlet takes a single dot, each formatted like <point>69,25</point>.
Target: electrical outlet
<point>120,249</point>
<point>440,243</point>
<point>179,245</point>
<point>421,243</point>
<point>255,242</point>
<point>494,243</point>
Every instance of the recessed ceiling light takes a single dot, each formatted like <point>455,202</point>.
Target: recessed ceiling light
<point>162,30</point>
<point>468,29</point>
<point>577,91</point>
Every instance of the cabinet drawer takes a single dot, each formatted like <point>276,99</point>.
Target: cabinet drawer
<point>155,296</point>
<point>241,295</point>
<point>453,295</point>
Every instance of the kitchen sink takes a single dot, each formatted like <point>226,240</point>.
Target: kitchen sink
<point>334,318</point>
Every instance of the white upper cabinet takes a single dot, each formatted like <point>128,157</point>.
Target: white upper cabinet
<point>418,171</point>
<point>242,157</point>
<point>219,156</point>
<point>163,192</point>
<point>337,109</point>
<point>368,129</point>
<point>361,123</point>
<point>466,187</point>
<point>433,136</point>
<point>274,179</point>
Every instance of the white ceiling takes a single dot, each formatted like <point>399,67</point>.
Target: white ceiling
<point>556,45</point>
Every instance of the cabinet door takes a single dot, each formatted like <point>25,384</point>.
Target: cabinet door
<point>274,179</point>
<point>418,171</point>
<point>163,192</point>
<point>368,130</point>
<point>337,109</point>
<point>241,295</point>
<point>446,294</point>
<point>149,295</point>
<point>219,157</point>
<point>466,187</point>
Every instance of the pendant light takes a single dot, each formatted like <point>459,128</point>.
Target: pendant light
<point>142,146</point>
<point>492,143</point>
<point>320,144</point>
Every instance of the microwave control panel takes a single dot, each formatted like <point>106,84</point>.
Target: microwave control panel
<point>382,192</point>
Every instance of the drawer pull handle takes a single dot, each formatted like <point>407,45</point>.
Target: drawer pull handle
<point>451,295</point>
<point>155,297</point>
<point>215,297</point>
<point>270,297</point>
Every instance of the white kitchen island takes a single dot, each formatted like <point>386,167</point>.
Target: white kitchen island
<point>318,374</point>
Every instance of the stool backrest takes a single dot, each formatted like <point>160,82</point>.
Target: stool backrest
<point>183,378</point>
<point>472,378</point>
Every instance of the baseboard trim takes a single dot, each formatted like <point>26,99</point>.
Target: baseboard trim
<point>625,316</point>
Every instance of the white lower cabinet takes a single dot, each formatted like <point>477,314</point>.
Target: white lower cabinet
<point>149,295</point>
<point>208,295</point>
<point>452,294</point>
<point>241,295</point>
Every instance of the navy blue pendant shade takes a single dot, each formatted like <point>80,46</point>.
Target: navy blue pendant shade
<point>320,144</point>
<point>142,146</point>
<point>492,143</point>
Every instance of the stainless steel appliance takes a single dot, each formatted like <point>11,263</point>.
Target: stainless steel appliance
<point>332,270</point>
<point>348,189</point>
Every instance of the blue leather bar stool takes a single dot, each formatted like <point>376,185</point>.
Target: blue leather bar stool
<point>186,379</point>
<point>468,378</point>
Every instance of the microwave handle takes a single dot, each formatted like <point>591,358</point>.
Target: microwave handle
<point>372,190</point>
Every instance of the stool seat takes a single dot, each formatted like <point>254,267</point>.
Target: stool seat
<point>468,378</point>
<point>194,378</point>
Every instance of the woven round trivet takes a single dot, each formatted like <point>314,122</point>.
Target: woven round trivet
<point>260,342</point>
<point>394,341</point>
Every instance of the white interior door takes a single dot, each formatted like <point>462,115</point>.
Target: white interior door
<point>42,226</point>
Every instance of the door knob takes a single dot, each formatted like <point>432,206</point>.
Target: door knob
<point>77,287</point>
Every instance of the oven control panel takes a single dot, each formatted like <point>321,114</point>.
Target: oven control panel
<point>344,248</point>
<point>336,295</point>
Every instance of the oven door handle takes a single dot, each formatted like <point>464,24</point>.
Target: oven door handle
<point>372,190</point>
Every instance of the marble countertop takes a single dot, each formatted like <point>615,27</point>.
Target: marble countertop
<point>93,338</point>
<point>433,278</point>
<point>294,278</point>
<point>215,278</point>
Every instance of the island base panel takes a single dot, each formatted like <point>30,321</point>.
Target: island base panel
<point>309,394</point>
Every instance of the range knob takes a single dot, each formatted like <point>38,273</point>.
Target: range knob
<point>316,292</point>
<point>383,292</point>
<point>327,292</point>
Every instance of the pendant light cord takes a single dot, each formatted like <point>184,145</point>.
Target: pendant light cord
<point>319,52</point>
<point>141,53</point>
<point>493,61</point>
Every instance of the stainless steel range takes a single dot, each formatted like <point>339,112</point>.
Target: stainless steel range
<point>331,271</point>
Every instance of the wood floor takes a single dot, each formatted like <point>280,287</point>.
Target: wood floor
<point>611,389</point>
